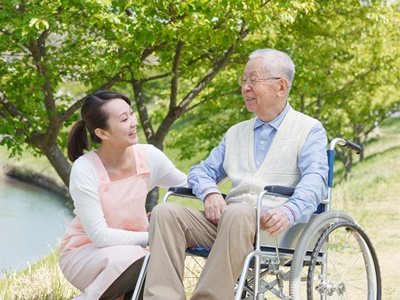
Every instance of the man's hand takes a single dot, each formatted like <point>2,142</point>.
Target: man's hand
<point>274,221</point>
<point>214,205</point>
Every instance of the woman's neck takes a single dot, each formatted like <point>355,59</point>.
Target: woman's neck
<point>118,163</point>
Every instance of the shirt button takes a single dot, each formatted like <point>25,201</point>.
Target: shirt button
<point>262,142</point>
<point>107,189</point>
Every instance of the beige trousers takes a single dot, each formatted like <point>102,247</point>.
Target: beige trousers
<point>173,228</point>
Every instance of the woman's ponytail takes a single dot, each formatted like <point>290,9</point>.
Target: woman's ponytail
<point>77,141</point>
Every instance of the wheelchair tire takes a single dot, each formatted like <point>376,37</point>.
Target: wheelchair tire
<point>193,267</point>
<point>302,255</point>
<point>348,267</point>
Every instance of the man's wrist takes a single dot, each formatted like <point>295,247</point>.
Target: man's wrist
<point>290,214</point>
<point>209,190</point>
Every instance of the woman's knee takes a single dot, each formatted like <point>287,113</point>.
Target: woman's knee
<point>125,283</point>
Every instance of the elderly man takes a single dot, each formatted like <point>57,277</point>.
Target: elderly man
<point>279,146</point>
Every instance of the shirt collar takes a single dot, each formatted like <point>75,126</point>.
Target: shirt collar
<point>276,122</point>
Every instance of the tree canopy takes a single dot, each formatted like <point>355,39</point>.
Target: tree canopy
<point>179,62</point>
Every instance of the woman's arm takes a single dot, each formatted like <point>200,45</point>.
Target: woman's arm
<point>163,172</point>
<point>84,186</point>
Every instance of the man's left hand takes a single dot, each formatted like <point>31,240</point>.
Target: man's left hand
<point>274,221</point>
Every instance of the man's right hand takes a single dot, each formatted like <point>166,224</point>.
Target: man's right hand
<point>214,205</point>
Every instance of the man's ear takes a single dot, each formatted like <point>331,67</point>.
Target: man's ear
<point>283,87</point>
<point>100,133</point>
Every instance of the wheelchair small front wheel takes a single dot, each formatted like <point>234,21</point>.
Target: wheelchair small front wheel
<point>344,265</point>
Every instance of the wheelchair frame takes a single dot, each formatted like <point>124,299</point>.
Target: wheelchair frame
<point>305,255</point>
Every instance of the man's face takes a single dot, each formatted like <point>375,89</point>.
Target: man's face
<point>261,96</point>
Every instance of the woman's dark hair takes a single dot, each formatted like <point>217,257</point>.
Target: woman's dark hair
<point>93,116</point>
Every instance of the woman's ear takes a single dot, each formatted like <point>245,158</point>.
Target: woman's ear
<point>101,133</point>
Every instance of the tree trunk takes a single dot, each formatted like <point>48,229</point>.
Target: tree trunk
<point>58,161</point>
<point>152,199</point>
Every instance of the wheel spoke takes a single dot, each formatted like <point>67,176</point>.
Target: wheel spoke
<point>350,270</point>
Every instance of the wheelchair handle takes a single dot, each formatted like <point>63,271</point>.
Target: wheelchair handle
<point>345,144</point>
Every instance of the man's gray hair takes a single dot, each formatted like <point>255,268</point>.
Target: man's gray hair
<point>276,64</point>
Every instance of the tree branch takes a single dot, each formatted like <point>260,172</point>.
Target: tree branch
<point>234,92</point>
<point>175,72</point>
<point>148,51</point>
<point>77,105</point>
<point>38,50</point>
<point>12,110</point>
<point>143,80</point>
<point>220,63</point>
<point>137,86</point>
<point>343,88</point>
<point>349,83</point>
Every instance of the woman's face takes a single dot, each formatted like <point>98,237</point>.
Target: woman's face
<point>122,123</point>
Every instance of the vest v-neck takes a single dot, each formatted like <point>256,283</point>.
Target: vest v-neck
<point>251,146</point>
<point>269,158</point>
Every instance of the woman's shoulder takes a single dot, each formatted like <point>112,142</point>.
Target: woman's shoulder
<point>153,156</point>
<point>81,161</point>
<point>83,172</point>
<point>148,149</point>
<point>84,164</point>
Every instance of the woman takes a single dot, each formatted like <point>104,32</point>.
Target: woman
<point>105,244</point>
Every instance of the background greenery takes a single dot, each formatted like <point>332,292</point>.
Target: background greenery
<point>179,60</point>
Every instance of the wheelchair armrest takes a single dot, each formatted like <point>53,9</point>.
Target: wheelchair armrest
<point>182,191</point>
<point>279,190</point>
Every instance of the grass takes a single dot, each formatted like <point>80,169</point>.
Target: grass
<point>41,281</point>
<point>371,196</point>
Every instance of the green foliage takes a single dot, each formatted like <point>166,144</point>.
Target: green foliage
<point>347,57</point>
<point>179,60</point>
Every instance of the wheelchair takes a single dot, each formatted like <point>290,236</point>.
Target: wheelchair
<point>330,257</point>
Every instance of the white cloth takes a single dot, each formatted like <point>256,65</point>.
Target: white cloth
<point>280,166</point>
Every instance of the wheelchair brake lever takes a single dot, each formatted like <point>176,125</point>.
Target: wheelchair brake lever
<point>277,250</point>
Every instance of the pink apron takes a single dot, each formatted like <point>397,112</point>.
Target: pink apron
<point>91,269</point>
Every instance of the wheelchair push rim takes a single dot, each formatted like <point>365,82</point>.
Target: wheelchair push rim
<point>349,268</point>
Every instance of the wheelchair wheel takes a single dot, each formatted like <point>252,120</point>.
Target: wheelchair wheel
<point>193,267</point>
<point>344,265</point>
<point>304,249</point>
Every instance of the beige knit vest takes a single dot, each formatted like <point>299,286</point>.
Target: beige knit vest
<point>280,166</point>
